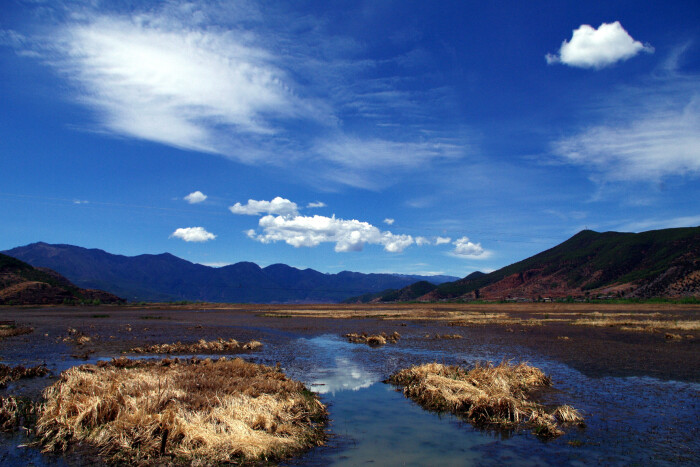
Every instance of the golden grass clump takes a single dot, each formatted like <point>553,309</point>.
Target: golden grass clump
<point>373,340</point>
<point>202,346</point>
<point>487,395</point>
<point>16,412</point>
<point>187,411</point>
<point>13,373</point>
<point>444,336</point>
<point>9,330</point>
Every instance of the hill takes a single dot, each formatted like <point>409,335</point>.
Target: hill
<point>658,263</point>
<point>22,284</point>
<point>165,277</point>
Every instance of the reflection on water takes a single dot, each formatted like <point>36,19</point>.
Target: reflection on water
<point>344,376</point>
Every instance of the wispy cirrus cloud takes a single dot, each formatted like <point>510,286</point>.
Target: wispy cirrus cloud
<point>229,79</point>
<point>598,48</point>
<point>645,133</point>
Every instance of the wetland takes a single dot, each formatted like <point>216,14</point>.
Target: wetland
<point>637,389</point>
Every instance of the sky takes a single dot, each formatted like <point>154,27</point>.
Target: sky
<point>409,137</point>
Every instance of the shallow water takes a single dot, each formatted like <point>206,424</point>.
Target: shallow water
<point>631,420</point>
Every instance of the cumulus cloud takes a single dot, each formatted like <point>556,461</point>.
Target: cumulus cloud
<point>317,204</point>
<point>348,235</point>
<point>278,206</point>
<point>442,240</point>
<point>598,48</point>
<point>466,249</point>
<point>193,234</point>
<point>195,197</point>
<point>389,221</point>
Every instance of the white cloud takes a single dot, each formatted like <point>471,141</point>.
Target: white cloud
<point>195,197</point>
<point>193,234</point>
<point>442,240</point>
<point>278,206</point>
<point>389,221</point>
<point>353,152</point>
<point>420,241</point>
<point>80,201</point>
<point>348,235</point>
<point>466,249</point>
<point>654,224</point>
<point>650,145</point>
<point>598,48</point>
<point>317,204</point>
<point>181,84</point>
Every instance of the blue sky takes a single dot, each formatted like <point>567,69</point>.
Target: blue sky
<point>409,137</point>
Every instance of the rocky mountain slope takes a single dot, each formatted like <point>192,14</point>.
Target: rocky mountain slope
<point>22,284</point>
<point>166,277</point>
<point>658,263</point>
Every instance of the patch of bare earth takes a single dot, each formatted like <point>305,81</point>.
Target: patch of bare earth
<point>183,411</point>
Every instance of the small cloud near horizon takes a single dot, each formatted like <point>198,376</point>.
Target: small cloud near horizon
<point>389,221</point>
<point>193,234</point>
<point>317,204</point>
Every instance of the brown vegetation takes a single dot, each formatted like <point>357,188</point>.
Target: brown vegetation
<point>487,395</point>
<point>186,411</point>
<point>374,340</point>
<point>444,336</point>
<point>13,373</point>
<point>202,346</point>
<point>9,330</point>
<point>16,412</point>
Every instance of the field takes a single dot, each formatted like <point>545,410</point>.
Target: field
<point>588,352</point>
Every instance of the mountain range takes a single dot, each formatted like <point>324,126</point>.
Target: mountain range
<point>165,277</point>
<point>657,263</point>
<point>22,284</point>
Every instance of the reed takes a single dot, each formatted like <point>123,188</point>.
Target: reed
<point>9,330</point>
<point>487,395</point>
<point>16,412</point>
<point>183,411</point>
<point>373,340</point>
<point>202,346</point>
<point>9,374</point>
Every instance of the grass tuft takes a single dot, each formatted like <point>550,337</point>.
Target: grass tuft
<point>487,395</point>
<point>192,411</point>
<point>202,346</point>
<point>17,412</point>
<point>374,340</point>
<point>13,373</point>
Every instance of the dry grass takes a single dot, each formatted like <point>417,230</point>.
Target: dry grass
<point>444,336</point>
<point>487,395</point>
<point>17,412</point>
<point>374,340</point>
<point>202,346</point>
<point>13,373</point>
<point>76,337</point>
<point>646,325</point>
<point>9,330</point>
<point>186,411</point>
